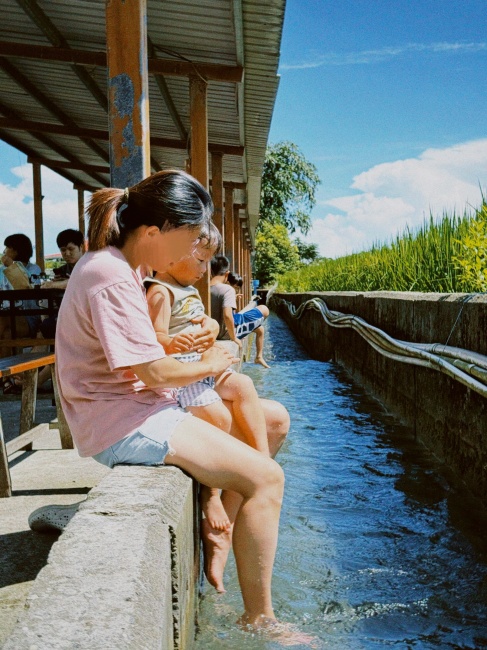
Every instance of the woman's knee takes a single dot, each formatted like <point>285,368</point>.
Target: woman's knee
<point>274,482</point>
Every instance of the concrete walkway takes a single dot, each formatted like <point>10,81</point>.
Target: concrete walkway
<point>47,475</point>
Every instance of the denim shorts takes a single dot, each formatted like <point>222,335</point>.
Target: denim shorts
<point>149,444</point>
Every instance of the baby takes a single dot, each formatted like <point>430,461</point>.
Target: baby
<point>177,313</point>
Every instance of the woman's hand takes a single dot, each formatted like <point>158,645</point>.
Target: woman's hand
<point>219,358</point>
<point>183,342</point>
<point>206,336</point>
<point>7,260</point>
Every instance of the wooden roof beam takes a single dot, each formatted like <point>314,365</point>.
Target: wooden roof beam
<point>44,23</point>
<point>67,164</point>
<point>48,142</point>
<point>166,95</point>
<point>99,134</point>
<point>166,67</point>
<point>47,103</point>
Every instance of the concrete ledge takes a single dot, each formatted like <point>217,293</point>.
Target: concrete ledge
<point>446,416</point>
<point>125,572</point>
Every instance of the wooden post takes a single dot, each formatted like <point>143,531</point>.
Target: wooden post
<point>228,225</point>
<point>199,158</point>
<point>236,238</point>
<point>199,129</point>
<point>38,220</point>
<point>81,212</point>
<point>217,192</point>
<point>128,91</point>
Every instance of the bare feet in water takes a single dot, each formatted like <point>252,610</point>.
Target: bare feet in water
<point>285,634</point>
<point>216,546</point>
<point>262,362</point>
<point>212,506</point>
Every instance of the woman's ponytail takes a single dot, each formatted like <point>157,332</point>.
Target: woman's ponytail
<point>103,229</point>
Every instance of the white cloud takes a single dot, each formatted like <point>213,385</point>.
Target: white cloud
<point>59,207</point>
<point>392,195</point>
<point>384,54</point>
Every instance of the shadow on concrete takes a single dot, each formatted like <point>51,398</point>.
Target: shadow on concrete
<point>56,491</point>
<point>23,556</point>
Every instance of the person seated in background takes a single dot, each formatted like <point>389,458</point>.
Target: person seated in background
<point>71,244</point>
<point>236,281</point>
<point>16,271</point>
<point>235,325</point>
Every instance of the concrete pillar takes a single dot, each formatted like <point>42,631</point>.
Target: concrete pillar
<point>128,91</point>
<point>38,220</point>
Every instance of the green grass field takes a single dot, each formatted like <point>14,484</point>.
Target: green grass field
<point>444,255</point>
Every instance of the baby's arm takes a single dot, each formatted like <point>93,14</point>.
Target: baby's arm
<point>206,336</point>
<point>159,303</point>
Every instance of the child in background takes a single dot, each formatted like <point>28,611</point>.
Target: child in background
<point>236,281</point>
<point>235,325</point>
<point>176,311</point>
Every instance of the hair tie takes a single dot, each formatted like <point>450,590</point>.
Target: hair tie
<point>126,195</point>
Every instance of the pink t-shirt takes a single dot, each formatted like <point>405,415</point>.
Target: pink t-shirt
<point>104,328</point>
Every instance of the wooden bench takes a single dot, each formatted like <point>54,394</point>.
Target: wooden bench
<point>28,365</point>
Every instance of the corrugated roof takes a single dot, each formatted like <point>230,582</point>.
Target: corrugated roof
<point>49,94</point>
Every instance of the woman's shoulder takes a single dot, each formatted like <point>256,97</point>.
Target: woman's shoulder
<point>103,268</point>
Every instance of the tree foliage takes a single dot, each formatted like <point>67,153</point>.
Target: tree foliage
<point>275,253</point>
<point>289,184</point>
<point>307,252</point>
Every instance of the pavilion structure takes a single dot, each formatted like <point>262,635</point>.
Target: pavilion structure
<point>105,93</point>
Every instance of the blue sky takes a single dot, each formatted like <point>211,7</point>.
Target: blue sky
<point>386,97</point>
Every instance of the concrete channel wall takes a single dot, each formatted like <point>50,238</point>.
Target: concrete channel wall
<point>125,572</point>
<point>449,418</point>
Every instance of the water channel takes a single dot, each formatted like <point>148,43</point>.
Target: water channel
<point>376,549</point>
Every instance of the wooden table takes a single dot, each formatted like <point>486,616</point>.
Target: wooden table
<point>28,365</point>
<point>50,300</point>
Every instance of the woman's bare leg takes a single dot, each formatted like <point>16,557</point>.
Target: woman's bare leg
<point>219,460</point>
<point>217,544</point>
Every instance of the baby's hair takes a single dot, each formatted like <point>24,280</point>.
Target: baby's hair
<point>212,239</point>
<point>235,280</point>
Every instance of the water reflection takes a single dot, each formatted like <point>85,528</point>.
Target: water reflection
<point>376,549</point>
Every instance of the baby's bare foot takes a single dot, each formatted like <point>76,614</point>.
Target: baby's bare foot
<point>212,506</point>
<point>262,362</point>
<point>216,546</point>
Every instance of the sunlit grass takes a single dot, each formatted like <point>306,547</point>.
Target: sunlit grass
<point>438,257</point>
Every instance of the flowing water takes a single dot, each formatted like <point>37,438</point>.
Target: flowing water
<point>376,549</point>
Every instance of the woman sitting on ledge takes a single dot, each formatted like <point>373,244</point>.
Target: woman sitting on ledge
<point>116,381</point>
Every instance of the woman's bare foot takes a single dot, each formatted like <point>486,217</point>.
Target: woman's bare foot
<point>212,506</point>
<point>285,634</point>
<point>216,546</point>
<point>262,362</point>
